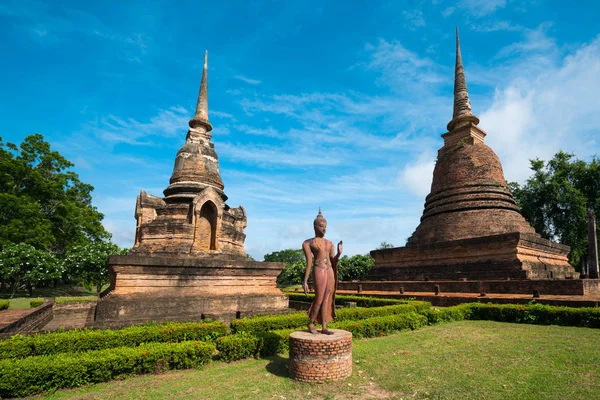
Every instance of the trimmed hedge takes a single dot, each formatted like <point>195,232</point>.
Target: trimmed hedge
<point>537,314</point>
<point>36,303</point>
<point>19,346</point>
<point>4,304</point>
<point>238,346</point>
<point>342,299</point>
<point>256,325</point>
<point>385,325</point>
<point>75,299</point>
<point>276,342</point>
<point>448,314</point>
<point>43,373</point>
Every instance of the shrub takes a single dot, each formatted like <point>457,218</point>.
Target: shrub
<point>536,314</point>
<point>378,326</point>
<point>74,341</point>
<point>75,299</point>
<point>238,346</point>
<point>449,314</point>
<point>38,374</point>
<point>361,301</point>
<point>265,323</point>
<point>4,304</point>
<point>256,325</point>
<point>36,303</point>
<point>275,342</point>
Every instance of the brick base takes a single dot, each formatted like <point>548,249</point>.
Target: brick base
<point>320,358</point>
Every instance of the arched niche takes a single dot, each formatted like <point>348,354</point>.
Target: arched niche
<point>208,209</point>
<point>206,227</point>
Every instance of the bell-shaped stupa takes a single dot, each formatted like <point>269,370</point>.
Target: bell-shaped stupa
<point>188,261</point>
<point>471,228</point>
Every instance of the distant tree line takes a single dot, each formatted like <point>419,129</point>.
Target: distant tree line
<point>349,268</point>
<point>49,229</point>
<point>556,198</point>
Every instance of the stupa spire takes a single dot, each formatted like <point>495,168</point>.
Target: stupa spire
<point>462,105</point>
<point>201,114</point>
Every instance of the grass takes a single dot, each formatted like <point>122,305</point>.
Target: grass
<point>463,360</point>
<point>62,293</point>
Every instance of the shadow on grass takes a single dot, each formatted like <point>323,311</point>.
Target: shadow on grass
<point>278,366</point>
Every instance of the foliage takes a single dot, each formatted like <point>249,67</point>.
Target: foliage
<point>75,341</point>
<point>259,324</point>
<point>288,256</point>
<point>238,346</point>
<point>275,342</point>
<point>384,325</point>
<point>36,303</point>
<point>37,374</point>
<point>295,265</point>
<point>354,267</point>
<point>293,274</point>
<point>75,299</point>
<point>22,264</point>
<point>87,263</point>
<point>446,314</point>
<point>555,200</point>
<point>42,202</point>
<point>361,301</point>
<point>4,304</point>
<point>385,245</point>
<point>537,314</point>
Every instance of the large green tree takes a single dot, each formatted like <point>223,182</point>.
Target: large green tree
<point>42,202</point>
<point>87,263</point>
<point>555,200</point>
<point>23,265</point>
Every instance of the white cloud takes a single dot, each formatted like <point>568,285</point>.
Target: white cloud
<point>417,175</point>
<point>167,123</point>
<point>414,19</point>
<point>536,115</point>
<point>249,81</point>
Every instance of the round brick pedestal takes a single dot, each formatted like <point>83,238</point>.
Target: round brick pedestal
<point>320,358</point>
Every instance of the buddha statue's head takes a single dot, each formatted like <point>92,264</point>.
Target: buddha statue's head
<point>320,225</point>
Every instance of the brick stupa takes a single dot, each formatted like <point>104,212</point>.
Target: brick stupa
<point>472,237</point>
<point>188,261</point>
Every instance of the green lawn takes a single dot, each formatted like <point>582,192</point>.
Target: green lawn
<point>462,360</point>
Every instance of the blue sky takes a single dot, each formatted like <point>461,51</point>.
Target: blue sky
<point>338,105</point>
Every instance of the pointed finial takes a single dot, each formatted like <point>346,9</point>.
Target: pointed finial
<point>462,105</point>
<point>319,217</point>
<point>201,114</point>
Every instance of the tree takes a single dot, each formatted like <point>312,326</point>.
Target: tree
<point>295,263</point>
<point>295,266</point>
<point>354,267</point>
<point>87,263</point>
<point>22,264</point>
<point>555,200</point>
<point>42,202</point>
<point>385,245</point>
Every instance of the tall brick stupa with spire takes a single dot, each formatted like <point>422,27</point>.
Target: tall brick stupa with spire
<point>188,261</point>
<point>472,237</point>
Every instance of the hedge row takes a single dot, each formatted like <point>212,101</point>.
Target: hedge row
<point>75,299</point>
<point>275,342</point>
<point>537,314</point>
<point>342,299</point>
<point>43,373</point>
<point>19,346</point>
<point>4,304</point>
<point>36,303</point>
<point>256,325</point>
<point>238,346</point>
